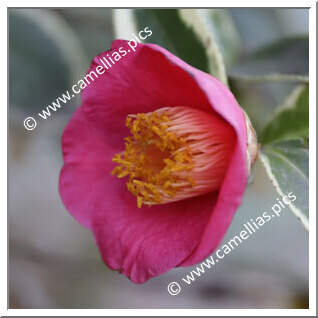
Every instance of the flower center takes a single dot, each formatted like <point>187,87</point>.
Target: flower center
<point>174,153</point>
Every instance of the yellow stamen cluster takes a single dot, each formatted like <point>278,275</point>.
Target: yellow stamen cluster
<point>156,160</point>
<point>174,153</point>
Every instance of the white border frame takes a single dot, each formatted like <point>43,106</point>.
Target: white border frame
<point>163,312</point>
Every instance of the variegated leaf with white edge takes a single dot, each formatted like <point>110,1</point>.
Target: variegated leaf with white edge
<point>287,165</point>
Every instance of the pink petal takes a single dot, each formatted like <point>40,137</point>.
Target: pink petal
<point>85,166</point>
<point>147,242</point>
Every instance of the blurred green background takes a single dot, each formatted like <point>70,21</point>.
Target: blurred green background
<point>53,262</point>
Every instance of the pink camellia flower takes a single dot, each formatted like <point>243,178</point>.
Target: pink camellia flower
<point>156,161</point>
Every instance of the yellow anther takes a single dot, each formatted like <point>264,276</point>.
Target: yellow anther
<point>151,172</point>
<point>139,201</point>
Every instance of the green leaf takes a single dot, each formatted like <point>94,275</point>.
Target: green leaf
<point>291,120</point>
<point>284,60</point>
<point>169,31</point>
<point>287,165</point>
<point>204,24</point>
<point>260,99</point>
<point>224,32</point>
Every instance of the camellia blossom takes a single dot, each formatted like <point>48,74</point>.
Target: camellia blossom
<point>156,161</point>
